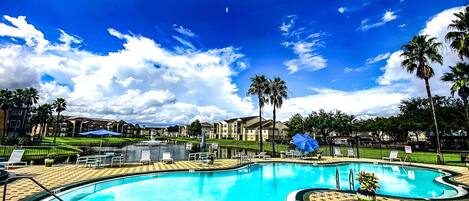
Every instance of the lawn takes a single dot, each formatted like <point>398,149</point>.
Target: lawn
<point>64,146</point>
<point>365,152</point>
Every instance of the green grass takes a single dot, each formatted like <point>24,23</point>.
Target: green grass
<point>365,152</point>
<point>38,152</point>
<point>90,140</point>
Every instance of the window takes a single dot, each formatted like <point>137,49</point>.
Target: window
<point>16,112</point>
<point>14,123</point>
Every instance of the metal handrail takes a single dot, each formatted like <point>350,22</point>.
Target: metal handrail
<point>337,178</point>
<point>30,178</point>
<point>351,180</point>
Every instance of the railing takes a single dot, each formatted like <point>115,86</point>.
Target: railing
<point>351,181</point>
<point>30,178</point>
<point>337,178</point>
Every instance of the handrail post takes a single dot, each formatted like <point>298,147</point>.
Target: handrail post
<point>337,178</point>
<point>351,180</point>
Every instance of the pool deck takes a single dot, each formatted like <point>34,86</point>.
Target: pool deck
<point>62,175</point>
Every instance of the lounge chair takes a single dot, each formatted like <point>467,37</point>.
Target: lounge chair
<point>81,159</point>
<point>337,152</point>
<point>15,159</point>
<point>91,161</point>
<point>167,158</point>
<point>262,155</point>
<point>145,157</point>
<point>297,154</point>
<point>392,156</point>
<point>118,159</point>
<point>350,153</point>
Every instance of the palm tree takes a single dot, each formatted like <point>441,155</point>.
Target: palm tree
<point>43,116</point>
<point>59,105</point>
<point>459,76</point>
<point>276,93</point>
<point>459,34</point>
<point>6,102</point>
<point>418,54</point>
<point>31,96</point>
<point>259,87</point>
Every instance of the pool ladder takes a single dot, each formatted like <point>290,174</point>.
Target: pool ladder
<point>30,178</point>
<point>351,180</point>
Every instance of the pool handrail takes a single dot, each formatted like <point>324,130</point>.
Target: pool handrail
<point>30,178</point>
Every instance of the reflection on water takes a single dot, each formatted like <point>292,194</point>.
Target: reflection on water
<point>178,150</point>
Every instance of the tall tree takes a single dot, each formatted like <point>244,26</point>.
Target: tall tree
<point>6,102</point>
<point>259,87</point>
<point>458,36</point>
<point>277,92</point>
<point>418,54</point>
<point>195,128</point>
<point>59,105</point>
<point>459,77</point>
<point>31,96</point>
<point>295,125</point>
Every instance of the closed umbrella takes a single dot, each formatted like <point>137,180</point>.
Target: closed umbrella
<point>305,143</point>
<point>202,143</point>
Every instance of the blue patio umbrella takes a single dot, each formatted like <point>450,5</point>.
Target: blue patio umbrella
<point>102,133</point>
<point>305,143</point>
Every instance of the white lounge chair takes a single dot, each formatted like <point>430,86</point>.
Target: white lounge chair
<point>167,158</point>
<point>263,155</point>
<point>145,157</point>
<point>337,151</point>
<point>15,159</point>
<point>118,159</point>
<point>81,159</point>
<point>350,153</point>
<point>392,156</point>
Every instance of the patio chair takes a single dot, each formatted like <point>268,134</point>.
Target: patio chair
<point>291,153</point>
<point>15,159</point>
<point>81,159</point>
<point>350,153</point>
<point>262,155</point>
<point>337,152</point>
<point>118,159</point>
<point>167,158</point>
<point>392,156</point>
<point>297,154</point>
<point>92,161</point>
<point>145,157</point>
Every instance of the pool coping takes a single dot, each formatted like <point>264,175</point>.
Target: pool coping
<point>447,179</point>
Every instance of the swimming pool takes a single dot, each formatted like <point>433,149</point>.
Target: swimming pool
<point>263,181</point>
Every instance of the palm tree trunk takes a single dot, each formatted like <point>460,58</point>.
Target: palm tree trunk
<point>57,125</point>
<point>439,157</point>
<point>260,126</point>
<point>466,108</point>
<point>273,132</point>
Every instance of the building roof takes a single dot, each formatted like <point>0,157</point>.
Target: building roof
<point>243,119</point>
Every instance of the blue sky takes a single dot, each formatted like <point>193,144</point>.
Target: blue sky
<point>315,46</point>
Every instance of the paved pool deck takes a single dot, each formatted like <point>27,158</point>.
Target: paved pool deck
<point>62,175</point>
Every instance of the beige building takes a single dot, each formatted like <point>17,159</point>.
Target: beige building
<point>281,131</point>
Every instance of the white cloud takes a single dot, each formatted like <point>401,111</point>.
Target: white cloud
<point>184,42</point>
<point>379,101</point>
<point>388,16</point>
<point>19,28</point>
<point>304,43</point>
<point>349,70</point>
<point>378,58</point>
<point>342,9</point>
<point>142,82</point>
<point>394,86</point>
<point>402,25</point>
<point>395,73</point>
<point>184,31</point>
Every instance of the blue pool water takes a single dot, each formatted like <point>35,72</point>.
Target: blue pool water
<point>268,181</point>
